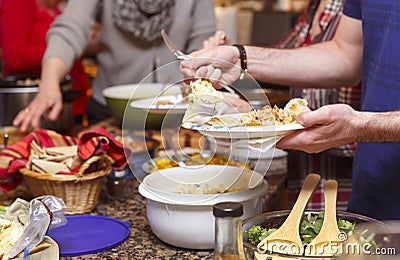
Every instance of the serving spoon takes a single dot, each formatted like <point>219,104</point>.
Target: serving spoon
<point>286,239</point>
<point>330,234</point>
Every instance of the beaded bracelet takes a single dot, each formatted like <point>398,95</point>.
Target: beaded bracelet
<point>243,59</point>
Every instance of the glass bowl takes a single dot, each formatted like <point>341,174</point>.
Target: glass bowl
<point>276,218</point>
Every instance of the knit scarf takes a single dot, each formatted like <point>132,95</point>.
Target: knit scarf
<point>143,19</point>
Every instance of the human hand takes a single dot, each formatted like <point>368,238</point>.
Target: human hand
<point>235,104</point>
<point>217,64</point>
<point>327,127</point>
<point>48,101</point>
<point>219,38</point>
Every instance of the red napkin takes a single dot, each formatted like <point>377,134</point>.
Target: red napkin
<point>93,142</point>
<point>98,141</point>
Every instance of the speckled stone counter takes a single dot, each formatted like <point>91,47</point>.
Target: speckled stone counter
<point>141,243</point>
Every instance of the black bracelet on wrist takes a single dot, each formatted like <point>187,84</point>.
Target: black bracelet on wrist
<point>243,59</point>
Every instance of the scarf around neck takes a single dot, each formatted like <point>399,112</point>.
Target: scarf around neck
<point>143,19</point>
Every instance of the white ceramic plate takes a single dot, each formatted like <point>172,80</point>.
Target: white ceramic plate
<point>162,104</point>
<point>239,132</point>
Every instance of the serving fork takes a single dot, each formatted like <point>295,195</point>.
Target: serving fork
<point>171,46</point>
<point>182,56</point>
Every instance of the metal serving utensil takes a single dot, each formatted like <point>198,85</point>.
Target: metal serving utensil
<point>171,46</point>
<point>182,56</point>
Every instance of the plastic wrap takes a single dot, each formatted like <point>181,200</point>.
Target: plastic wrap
<point>44,213</point>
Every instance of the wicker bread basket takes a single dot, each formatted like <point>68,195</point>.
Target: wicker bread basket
<point>80,191</point>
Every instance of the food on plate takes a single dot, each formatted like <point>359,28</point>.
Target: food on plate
<point>203,99</point>
<point>223,121</point>
<point>265,116</point>
<point>297,106</point>
<point>164,102</point>
<point>197,159</point>
<point>260,117</point>
<point>202,91</point>
<point>169,100</point>
<point>9,234</point>
<point>292,109</point>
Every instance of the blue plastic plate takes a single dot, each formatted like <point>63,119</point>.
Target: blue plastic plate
<point>86,234</point>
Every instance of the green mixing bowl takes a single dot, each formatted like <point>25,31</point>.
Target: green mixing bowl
<point>119,97</point>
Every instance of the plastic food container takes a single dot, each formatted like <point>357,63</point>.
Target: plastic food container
<point>186,220</point>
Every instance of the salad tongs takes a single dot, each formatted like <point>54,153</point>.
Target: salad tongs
<point>330,233</point>
<point>286,239</point>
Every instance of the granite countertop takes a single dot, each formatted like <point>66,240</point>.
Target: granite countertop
<point>141,243</point>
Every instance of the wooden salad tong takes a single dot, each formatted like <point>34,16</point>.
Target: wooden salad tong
<point>286,239</point>
<point>330,235</point>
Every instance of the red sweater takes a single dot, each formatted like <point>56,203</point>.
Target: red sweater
<point>23,28</point>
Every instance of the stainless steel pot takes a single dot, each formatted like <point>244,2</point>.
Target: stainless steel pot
<point>14,98</point>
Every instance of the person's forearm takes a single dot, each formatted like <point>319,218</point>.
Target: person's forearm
<point>378,127</point>
<point>311,66</point>
<point>329,64</point>
<point>53,71</point>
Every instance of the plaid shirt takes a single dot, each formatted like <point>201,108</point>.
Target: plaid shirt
<point>323,163</point>
<point>300,35</point>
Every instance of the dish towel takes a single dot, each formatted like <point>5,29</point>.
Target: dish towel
<point>90,143</point>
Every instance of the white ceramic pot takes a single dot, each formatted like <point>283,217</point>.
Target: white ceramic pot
<point>186,220</point>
